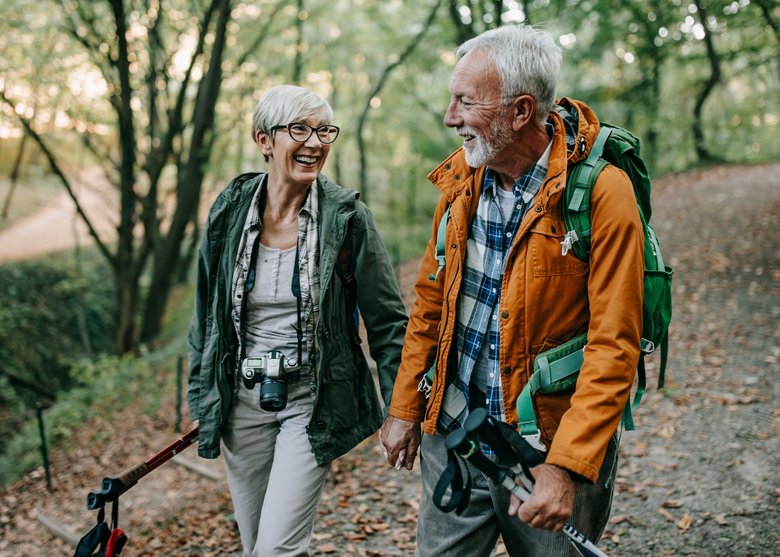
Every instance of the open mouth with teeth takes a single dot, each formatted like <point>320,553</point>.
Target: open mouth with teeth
<point>467,137</point>
<point>306,160</point>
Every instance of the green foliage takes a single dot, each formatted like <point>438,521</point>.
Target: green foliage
<point>639,63</point>
<point>53,313</point>
<point>114,384</point>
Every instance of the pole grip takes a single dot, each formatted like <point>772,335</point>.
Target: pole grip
<point>130,477</point>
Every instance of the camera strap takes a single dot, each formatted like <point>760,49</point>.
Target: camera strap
<point>296,290</point>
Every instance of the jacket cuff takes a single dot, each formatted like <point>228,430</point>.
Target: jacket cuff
<point>407,414</point>
<point>581,472</point>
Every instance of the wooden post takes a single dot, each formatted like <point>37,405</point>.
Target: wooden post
<point>179,374</point>
<point>44,449</point>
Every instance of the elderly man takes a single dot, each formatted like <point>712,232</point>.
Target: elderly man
<point>506,293</point>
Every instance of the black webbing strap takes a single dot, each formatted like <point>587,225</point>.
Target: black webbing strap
<point>95,540</point>
<point>527,456</point>
<point>460,488</point>
<point>296,290</point>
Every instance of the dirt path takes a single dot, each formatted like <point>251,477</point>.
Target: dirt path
<point>57,226</point>
<point>700,476</point>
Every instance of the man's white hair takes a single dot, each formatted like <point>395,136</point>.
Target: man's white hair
<point>527,60</point>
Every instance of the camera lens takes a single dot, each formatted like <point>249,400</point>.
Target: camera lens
<point>273,395</point>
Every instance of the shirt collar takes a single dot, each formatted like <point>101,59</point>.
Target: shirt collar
<point>527,185</point>
<point>310,206</point>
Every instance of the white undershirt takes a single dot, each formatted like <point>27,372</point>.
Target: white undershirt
<point>271,308</point>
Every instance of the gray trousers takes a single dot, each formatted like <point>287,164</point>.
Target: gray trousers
<point>274,479</point>
<point>475,532</point>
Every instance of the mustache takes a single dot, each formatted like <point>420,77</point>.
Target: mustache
<point>467,131</point>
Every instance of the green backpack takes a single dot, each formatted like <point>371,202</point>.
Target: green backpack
<point>556,370</point>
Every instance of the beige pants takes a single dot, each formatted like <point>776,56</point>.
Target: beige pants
<point>272,474</point>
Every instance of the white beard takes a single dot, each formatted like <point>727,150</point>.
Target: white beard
<point>478,151</point>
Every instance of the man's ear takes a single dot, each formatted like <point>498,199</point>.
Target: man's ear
<point>523,108</point>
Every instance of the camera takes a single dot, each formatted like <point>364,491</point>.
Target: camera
<point>272,371</point>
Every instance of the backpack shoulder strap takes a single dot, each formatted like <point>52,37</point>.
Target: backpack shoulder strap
<point>576,207</point>
<point>345,271</point>
<point>441,236</point>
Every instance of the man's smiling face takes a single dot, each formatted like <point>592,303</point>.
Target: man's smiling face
<point>476,110</point>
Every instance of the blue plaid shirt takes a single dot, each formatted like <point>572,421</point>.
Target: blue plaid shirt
<point>477,329</point>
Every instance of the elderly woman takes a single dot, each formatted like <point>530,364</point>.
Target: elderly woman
<point>278,380</point>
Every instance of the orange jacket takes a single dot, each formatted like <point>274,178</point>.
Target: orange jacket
<point>546,299</point>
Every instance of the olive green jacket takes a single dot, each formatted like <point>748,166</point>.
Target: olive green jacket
<point>347,408</point>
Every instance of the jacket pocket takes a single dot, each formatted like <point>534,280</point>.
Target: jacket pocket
<point>340,394</point>
<point>545,248</point>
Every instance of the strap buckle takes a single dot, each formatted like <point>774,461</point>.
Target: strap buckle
<point>425,386</point>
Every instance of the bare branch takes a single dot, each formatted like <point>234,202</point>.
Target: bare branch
<point>55,167</point>
<point>262,35</point>
<point>378,87</point>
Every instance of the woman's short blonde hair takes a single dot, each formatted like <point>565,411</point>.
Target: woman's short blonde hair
<point>283,104</point>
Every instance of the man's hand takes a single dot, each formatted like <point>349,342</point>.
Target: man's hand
<point>552,499</point>
<point>400,439</point>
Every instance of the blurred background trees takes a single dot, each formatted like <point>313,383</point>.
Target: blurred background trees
<point>157,95</point>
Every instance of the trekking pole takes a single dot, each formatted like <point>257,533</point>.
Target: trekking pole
<point>113,487</point>
<point>513,464</point>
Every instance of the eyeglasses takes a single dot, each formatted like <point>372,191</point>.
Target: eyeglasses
<point>301,132</point>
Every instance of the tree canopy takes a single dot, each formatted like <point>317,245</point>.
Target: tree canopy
<point>159,94</point>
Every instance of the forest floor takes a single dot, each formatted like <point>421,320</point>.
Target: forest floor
<point>699,476</point>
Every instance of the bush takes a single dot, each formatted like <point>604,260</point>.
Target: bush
<point>53,313</point>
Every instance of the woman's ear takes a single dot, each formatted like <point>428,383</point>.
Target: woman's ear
<point>265,143</point>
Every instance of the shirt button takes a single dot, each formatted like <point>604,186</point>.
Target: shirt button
<point>494,318</point>
<point>492,346</point>
<point>508,234</point>
<point>494,291</point>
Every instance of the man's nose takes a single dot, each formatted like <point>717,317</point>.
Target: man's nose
<point>451,117</point>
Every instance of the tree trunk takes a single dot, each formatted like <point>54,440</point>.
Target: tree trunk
<point>298,61</point>
<point>190,180</point>
<point>125,266</point>
<point>702,153</point>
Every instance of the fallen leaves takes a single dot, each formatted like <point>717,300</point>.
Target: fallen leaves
<point>685,522</point>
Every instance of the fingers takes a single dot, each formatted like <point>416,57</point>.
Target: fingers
<point>401,459</point>
<point>400,440</point>
<point>411,455</point>
<point>539,514</point>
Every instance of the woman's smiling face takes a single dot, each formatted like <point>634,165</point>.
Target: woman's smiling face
<point>290,161</point>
